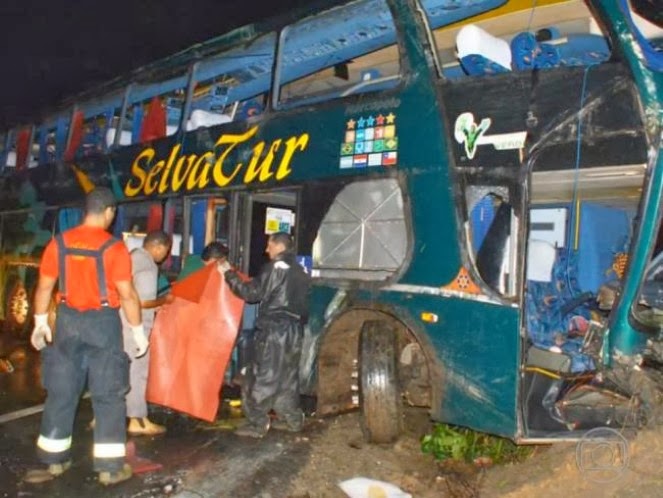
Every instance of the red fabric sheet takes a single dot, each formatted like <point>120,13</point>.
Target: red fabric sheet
<point>154,123</point>
<point>155,217</point>
<point>76,136</point>
<point>190,347</point>
<point>23,148</point>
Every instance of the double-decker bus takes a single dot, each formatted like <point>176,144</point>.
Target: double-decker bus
<point>474,186</point>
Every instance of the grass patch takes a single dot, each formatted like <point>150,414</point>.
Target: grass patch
<point>459,443</point>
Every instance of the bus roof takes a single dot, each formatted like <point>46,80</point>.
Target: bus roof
<point>245,53</point>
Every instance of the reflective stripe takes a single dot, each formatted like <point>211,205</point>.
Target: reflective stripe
<point>109,450</point>
<point>54,445</point>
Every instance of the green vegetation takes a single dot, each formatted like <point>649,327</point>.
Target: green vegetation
<point>459,443</point>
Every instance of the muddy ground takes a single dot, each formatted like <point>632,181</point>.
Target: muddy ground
<point>207,460</point>
<point>338,453</point>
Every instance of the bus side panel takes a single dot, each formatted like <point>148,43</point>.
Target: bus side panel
<point>478,345</point>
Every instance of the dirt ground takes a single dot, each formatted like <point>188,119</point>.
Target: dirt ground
<point>633,467</point>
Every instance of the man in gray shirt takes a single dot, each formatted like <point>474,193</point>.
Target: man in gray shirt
<point>145,272</point>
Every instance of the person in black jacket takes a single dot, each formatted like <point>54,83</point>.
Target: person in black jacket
<point>272,379</point>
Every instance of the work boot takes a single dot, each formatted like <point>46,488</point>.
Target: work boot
<point>57,469</point>
<point>108,478</point>
<point>253,430</point>
<point>287,425</point>
<point>143,427</point>
<point>38,476</point>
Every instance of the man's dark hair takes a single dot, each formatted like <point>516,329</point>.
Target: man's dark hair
<point>97,201</point>
<point>214,250</point>
<point>285,239</point>
<point>156,237</point>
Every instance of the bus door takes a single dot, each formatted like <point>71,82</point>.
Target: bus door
<point>263,213</point>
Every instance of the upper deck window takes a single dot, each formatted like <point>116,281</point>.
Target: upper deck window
<point>232,85</point>
<point>544,35</point>
<point>341,52</point>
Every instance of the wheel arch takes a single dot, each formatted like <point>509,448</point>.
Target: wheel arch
<point>338,356</point>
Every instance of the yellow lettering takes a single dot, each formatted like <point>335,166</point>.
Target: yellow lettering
<point>163,184</point>
<point>131,189</point>
<point>220,178</point>
<point>291,146</point>
<point>195,172</point>
<point>153,174</point>
<point>178,177</point>
<point>200,178</point>
<point>259,168</point>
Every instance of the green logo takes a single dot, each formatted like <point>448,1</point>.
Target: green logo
<point>466,131</point>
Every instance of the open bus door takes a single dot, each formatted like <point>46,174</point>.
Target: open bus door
<point>261,214</point>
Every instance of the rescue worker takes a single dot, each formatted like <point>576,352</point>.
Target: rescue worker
<point>144,261</point>
<point>93,272</point>
<point>272,378</point>
<point>214,252</point>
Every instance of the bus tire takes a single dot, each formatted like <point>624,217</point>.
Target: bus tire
<point>379,392</point>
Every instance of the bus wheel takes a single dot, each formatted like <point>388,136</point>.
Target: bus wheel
<point>379,393</point>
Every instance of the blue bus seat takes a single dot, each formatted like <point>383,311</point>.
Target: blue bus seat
<point>557,313</point>
<point>572,50</point>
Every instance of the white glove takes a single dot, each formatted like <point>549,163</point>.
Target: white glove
<point>223,266</point>
<point>140,339</point>
<point>41,334</point>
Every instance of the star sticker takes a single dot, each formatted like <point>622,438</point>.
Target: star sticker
<point>379,120</point>
<point>370,121</point>
<point>351,124</point>
<point>361,122</point>
<point>390,118</point>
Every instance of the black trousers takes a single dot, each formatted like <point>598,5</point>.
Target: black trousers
<point>87,346</point>
<point>272,377</point>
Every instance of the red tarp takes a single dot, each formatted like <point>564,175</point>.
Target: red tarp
<point>191,344</point>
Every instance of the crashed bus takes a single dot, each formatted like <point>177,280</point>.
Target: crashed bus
<point>474,186</point>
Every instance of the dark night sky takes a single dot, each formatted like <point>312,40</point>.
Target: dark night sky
<point>52,49</point>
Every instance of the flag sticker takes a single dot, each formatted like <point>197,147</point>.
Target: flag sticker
<point>389,158</point>
<point>346,162</point>
<point>347,149</point>
<point>375,159</point>
<point>360,160</point>
<point>369,141</point>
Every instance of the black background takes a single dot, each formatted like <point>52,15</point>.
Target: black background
<point>54,49</point>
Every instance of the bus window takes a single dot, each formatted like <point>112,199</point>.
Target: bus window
<point>210,105</point>
<point>489,237</point>
<point>19,152</point>
<point>3,150</point>
<point>156,116</point>
<point>648,308</point>
<point>233,84</point>
<point>548,36</point>
<point>98,132</point>
<point>363,234</point>
<point>35,148</point>
<point>316,66</point>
